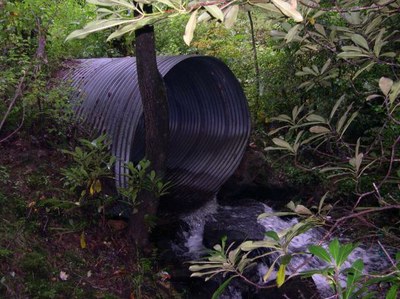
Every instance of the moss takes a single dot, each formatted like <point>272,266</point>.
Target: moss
<point>35,264</point>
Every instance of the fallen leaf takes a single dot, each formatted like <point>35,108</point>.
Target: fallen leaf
<point>63,275</point>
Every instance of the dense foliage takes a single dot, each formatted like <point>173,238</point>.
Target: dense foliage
<point>323,89</point>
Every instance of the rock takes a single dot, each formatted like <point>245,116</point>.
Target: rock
<point>230,221</point>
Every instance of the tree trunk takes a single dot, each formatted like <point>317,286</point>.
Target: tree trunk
<point>155,110</point>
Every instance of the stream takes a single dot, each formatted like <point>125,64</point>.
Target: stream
<point>203,228</point>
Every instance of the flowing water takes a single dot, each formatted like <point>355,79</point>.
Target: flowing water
<point>240,220</point>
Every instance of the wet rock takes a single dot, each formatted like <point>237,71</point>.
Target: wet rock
<point>232,222</point>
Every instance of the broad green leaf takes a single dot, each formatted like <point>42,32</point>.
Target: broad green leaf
<point>394,92</point>
<point>291,206</point>
<point>196,268</point>
<point>215,11</point>
<point>379,43</point>
<point>392,293</point>
<point>97,26</point>
<point>319,129</point>
<point>101,2</point>
<point>282,143</point>
<point>320,252</point>
<point>325,66</point>
<point>283,118</point>
<point>272,234</point>
<point>344,252</point>
<point>267,6</point>
<point>269,272</point>
<point>310,71</point>
<point>372,96</point>
<point>360,40</point>
<point>190,27</point>
<point>288,9</point>
<point>316,118</point>
<point>366,67</point>
<point>342,119</point>
<point>336,106</point>
<point>352,49</point>
<point>250,245</point>
<point>280,277</point>
<point>231,15</point>
<point>222,287</point>
<point>345,55</point>
<point>285,260</point>
<point>358,161</point>
<point>302,210</point>
<point>334,249</point>
<point>292,33</point>
<point>128,28</point>
<point>389,54</point>
<point>233,255</point>
<point>320,29</point>
<point>385,84</point>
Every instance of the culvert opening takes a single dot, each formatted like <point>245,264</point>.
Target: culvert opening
<point>209,117</point>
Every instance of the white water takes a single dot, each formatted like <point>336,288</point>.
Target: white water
<point>195,248</point>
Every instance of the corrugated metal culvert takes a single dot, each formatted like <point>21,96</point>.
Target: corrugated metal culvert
<point>209,117</point>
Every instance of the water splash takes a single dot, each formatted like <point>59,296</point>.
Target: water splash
<point>194,246</point>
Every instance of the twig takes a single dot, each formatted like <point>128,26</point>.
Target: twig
<point>17,129</point>
<point>387,254</point>
<point>17,94</point>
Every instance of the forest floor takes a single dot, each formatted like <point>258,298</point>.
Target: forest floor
<point>49,249</point>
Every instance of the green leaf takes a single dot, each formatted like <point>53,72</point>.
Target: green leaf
<point>101,2</point>
<point>190,27</point>
<point>319,129</point>
<point>280,277</point>
<point>379,42</point>
<point>345,55</point>
<point>269,272</point>
<point>222,287</point>
<point>316,118</point>
<point>267,6</point>
<point>392,293</point>
<point>394,92</point>
<point>366,67</point>
<point>302,210</point>
<point>283,144</point>
<point>197,268</point>
<point>344,252</point>
<point>334,249</point>
<point>325,66</point>
<point>320,253</point>
<point>128,28</point>
<point>360,40</point>
<point>288,10</point>
<point>292,33</point>
<point>97,26</point>
<point>320,29</point>
<point>215,11</point>
<point>272,234</point>
<point>336,106</point>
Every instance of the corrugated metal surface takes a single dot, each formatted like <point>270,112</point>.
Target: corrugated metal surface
<point>209,118</point>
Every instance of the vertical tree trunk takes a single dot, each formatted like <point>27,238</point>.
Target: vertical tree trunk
<point>155,110</point>
<point>256,67</point>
